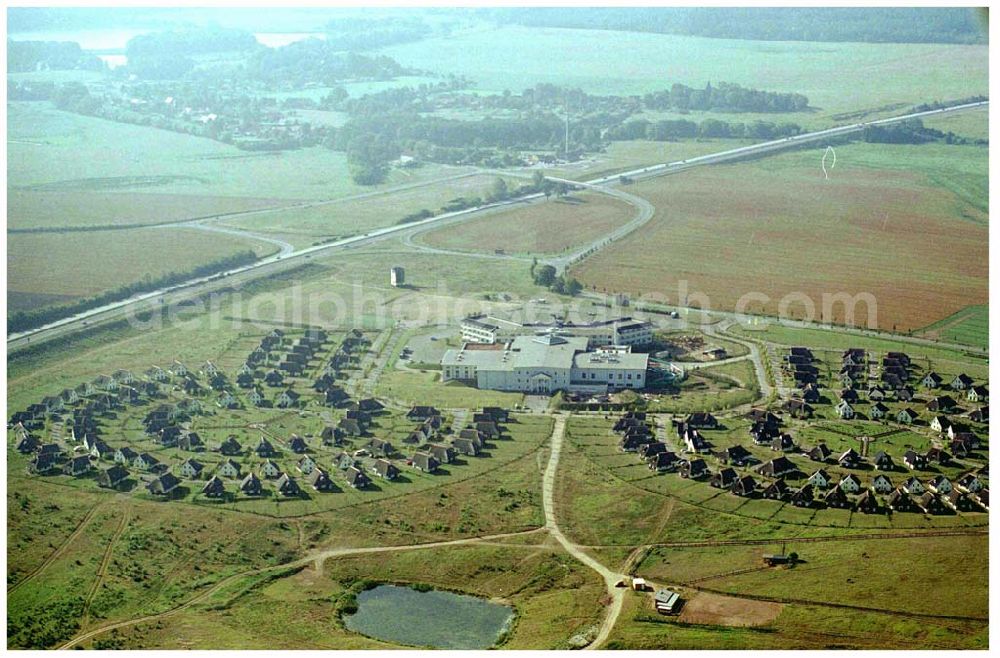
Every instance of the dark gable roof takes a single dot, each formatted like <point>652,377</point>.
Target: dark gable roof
<point>350,425</point>
<point>287,486</point>
<point>356,477</point>
<point>778,466</point>
<point>163,484</point>
<point>777,488</point>
<point>195,464</point>
<point>319,479</point>
<point>883,458</point>
<point>114,474</point>
<point>250,484</point>
<point>370,405</point>
<point>231,444</point>
<point>421,411</point>
<point>214,487</point>
<point>701,418</point>
<point>424,461</point>
<point>385,468</point>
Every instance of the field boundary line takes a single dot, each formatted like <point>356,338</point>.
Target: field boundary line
<point>841,606</point>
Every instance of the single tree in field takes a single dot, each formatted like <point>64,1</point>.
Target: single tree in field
<point>538,180</point>
<point>499,191</point>
<point>545,275</point>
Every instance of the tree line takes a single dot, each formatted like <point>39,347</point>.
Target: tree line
<point>722,97</point>
<point>865,24</point>
<point>499,191</point>
<point>26,56</point>
<point>913,131</point>
<point>674,129</point>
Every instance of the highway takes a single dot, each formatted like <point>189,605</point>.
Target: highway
<point>284,260</point>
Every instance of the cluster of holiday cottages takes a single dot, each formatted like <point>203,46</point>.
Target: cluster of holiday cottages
<point>374,459</point>
<point>75,413</point>
<point>297,356</point>
<point>933,496</point>
<point>891,384</point>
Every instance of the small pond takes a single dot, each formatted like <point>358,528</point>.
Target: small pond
<point>442,620</point>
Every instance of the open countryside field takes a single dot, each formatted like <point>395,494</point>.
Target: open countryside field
<point>551,228</point>
<point>34,208</point>
<point>971,125</point>
<point>97,155</point>
<point>857,572</point>
<point>352,216</point>
<point>879,225</point>
<point>797,626</point>
<point>553,596</point>
<point>836,77</point>
<point>970,326</point>
<point>85,263</point>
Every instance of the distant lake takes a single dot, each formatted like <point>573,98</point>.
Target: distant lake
<point>278,39</point>
<point>443,620</point>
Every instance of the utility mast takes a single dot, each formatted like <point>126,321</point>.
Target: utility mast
<point>566,150</point>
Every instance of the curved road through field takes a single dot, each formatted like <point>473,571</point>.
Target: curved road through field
<point>644,211</point>
<point>285,248</point>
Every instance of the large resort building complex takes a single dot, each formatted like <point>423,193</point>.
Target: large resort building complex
<point>545,364</point>
<point>618,331</point>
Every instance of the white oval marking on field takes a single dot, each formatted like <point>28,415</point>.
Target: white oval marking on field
<point>829,149</point>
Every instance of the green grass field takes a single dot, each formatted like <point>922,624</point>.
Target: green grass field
<point>970,326</point>
<point>796,627</point>
<point>553,596</point>
<point>552,228</point>
<point>971,125</point>
<point>355,216</point>
<point>836,77</point>
<point>149,160</point>
<point>41,265</point>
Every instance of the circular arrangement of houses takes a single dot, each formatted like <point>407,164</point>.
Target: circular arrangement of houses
<point>173,457</point>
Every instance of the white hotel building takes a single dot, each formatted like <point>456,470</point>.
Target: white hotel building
<point>545,364</point>
<point>619,331</point>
